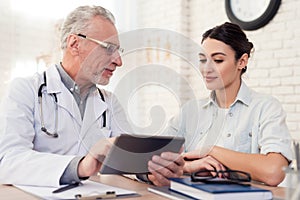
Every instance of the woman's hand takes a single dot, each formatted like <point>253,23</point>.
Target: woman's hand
<point>195,162</point>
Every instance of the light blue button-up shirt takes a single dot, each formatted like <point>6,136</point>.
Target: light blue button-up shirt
<point>254,123</point>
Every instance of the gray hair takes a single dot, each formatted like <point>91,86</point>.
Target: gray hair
<point>79,20</point>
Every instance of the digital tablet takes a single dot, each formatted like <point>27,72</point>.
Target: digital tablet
<point>130,153</point>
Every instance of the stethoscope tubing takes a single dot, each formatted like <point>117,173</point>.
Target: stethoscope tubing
<point>40,97</point>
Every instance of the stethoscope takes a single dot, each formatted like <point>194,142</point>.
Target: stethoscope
<point>43,128</point>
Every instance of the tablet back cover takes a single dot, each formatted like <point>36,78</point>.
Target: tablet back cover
<point>130,154</point>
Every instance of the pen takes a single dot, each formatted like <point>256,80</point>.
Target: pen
<point>68,187</point>
<point>107,195</point>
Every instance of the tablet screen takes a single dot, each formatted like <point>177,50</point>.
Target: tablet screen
<point>130,153</point>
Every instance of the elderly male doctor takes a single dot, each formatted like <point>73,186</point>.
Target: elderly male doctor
<point>55,124</point>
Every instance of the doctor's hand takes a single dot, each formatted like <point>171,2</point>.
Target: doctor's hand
<point>92,162</point>
<point>167,165</point>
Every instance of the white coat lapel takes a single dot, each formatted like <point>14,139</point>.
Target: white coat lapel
<point>64,97</point>
<point>95,107</point>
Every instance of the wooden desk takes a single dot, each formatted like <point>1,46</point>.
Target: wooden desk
<point>11,193</point>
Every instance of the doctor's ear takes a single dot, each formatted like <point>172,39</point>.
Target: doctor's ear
<point>73,43</point>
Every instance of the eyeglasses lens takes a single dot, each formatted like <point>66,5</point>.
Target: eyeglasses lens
<point>202,175</point>
<point>111,48</point>
<point>239,176</point>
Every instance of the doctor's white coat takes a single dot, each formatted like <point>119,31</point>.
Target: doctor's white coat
<point>29,156</point>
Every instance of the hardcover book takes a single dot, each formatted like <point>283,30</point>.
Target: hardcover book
<point>167,192</point>
<point>215,191</point>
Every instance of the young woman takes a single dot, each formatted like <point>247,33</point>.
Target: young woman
<point>235,128</point>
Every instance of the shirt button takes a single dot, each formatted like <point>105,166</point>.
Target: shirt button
<point>228,134</point>
<point>250,134</point>
<point>230,114</point>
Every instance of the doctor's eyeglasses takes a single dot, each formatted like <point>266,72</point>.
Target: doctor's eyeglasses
<point>110,48</point>
<point>234,176</point>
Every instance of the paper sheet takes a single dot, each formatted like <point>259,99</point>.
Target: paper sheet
<point>88,188</point>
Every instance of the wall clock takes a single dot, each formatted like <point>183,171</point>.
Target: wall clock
<point>251,14</point>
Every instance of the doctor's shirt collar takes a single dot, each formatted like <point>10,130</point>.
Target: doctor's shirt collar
<point>67,80</point>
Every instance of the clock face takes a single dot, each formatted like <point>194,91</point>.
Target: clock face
<point>251,14</point>
<point>249,10</point>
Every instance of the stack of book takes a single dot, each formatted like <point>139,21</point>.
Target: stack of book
<point>184,188</point>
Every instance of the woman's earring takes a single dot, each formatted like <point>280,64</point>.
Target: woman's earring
<point>244,69</point>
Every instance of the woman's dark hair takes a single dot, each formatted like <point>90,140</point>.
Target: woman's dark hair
<point>232,35</point>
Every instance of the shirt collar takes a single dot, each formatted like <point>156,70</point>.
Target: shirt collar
<point>67,80</point>
<point>211,100</point>
<point>243,96</point>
